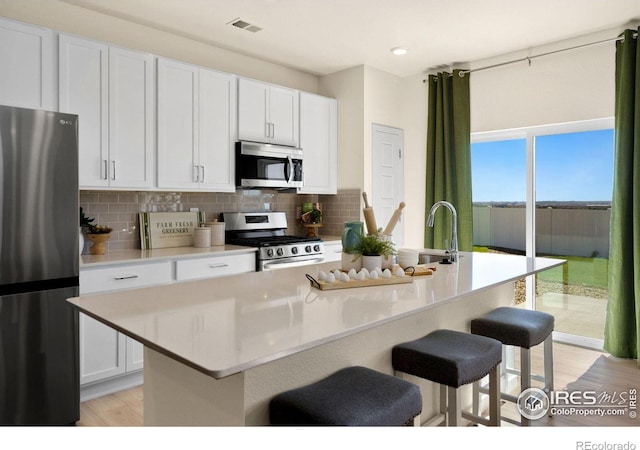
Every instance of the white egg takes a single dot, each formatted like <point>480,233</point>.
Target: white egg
<point>365,271</point>
<point>386,273</point>
<point>344,277</point>
<point>374,275</point>
<point>322,276</point>
<point>399,272</point>
<point>379,270</point>
<point>331,278</point>
<point>352,273</point>
<point>361,275</point>
<point>337,273</point>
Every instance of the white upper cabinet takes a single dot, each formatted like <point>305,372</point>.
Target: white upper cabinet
<point>319,142</point>
<point>267,113</point>
<point>111,89</point>
<point>196,134</point>
<point>26,66</point>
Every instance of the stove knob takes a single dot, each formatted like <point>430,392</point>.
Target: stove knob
<point>307,249</point>
<point>280,252</point>
<point>316,248</point>
<point>270,253</point>
<point>294,250</point>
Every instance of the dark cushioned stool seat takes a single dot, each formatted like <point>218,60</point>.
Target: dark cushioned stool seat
<point>355,396</point>
<point>448,357</point>
<point>514,326</point>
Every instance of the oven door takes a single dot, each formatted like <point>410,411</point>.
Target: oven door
<point>284,263</point>
<point>267,166</point>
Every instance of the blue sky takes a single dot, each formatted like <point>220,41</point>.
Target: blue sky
<point>569,167</point>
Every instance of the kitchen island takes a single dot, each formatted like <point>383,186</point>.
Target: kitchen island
<point>216,351</point>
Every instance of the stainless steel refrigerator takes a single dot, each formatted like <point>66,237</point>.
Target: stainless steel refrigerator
<point>39,264</point>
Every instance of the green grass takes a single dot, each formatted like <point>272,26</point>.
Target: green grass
<point>578,270</point>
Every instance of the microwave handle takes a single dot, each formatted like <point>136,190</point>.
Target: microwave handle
<point>290,177</point>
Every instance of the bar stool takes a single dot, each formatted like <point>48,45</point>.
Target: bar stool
<point>354,396</point>
<point>522,328</point>
<point>453,359</point>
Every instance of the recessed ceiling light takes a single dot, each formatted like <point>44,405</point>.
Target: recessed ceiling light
<point>399,50</point>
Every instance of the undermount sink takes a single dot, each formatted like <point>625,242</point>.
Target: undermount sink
<point>431,256</point>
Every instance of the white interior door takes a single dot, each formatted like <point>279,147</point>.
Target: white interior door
<point>387,177</point>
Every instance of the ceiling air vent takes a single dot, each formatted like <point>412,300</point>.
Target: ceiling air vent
<point>244,25</point>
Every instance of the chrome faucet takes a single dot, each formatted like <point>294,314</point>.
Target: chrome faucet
<point>453,251</point>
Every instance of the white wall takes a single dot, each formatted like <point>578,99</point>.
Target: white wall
<point>72,19</point>
<point>348,87</point>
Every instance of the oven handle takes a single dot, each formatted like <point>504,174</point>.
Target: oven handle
<point>281,264</point>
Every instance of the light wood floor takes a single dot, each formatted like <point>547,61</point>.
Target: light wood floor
<point>575,368</point>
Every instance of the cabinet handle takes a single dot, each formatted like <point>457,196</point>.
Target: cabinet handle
<point>113,166</point>
<point>196,173</point>
<point>218,265</point>
<point>202,179</point>
<point>106,169</point>
<point>126,277</point>
<point>273,130</point>
<point>267,129</point>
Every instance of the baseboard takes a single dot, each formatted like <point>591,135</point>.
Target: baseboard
<point>111,385</point>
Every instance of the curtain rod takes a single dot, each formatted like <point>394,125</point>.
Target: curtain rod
<point>529,58</point>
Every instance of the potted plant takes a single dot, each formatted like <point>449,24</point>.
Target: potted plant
<point>85,223</point>
<point>373,248</point>
<point>98,234</point>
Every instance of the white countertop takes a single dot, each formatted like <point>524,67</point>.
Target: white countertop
<point>227,325</point>
<point>141,256</point>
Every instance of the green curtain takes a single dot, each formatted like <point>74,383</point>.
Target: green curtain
<point>449,158</point>
<point>622,328</point>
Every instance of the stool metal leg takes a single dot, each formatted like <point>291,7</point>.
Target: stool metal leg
<point>476,398</point>
<point>548,362</point>
<point>494,396</point>
<point>454,408</point>
<point>525,377</point>
<point>443,404</point>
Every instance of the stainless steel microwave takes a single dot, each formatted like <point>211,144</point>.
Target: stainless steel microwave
<point>268,166</point>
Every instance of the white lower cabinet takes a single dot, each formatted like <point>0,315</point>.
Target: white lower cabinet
<point>217,266</point>
<point>104,352</point>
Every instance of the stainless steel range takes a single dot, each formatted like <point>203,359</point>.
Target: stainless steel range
<point>267,232</point>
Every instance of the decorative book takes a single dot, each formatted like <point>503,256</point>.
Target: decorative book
<point>168,229</point>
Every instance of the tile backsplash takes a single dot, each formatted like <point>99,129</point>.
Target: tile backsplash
<point>119,209</point>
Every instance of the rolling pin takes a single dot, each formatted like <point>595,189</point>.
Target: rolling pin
<point>394,220</point>
<point>369,217</point>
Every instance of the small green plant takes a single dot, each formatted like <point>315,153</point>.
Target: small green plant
<point>373,245</point>
<point>84,220</point>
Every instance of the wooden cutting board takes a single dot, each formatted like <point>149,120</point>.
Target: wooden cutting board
<point>326,286</point>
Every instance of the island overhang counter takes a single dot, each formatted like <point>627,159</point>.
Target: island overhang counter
<point>216,351</point>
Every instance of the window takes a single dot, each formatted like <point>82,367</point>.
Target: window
<point>546,191</point>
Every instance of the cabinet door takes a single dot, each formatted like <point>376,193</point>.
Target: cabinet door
<point>319,141</point>
<point>102,351</point>
<point>83,90</point>
<point>177,124</point>
<point>283,116</point>
<point>253,103</point>
<point>131,119</point>
<point>216,131</point>
<point>26,58</point>
<point>135,355</point>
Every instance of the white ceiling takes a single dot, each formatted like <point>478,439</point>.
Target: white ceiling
<point>325,36</point>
